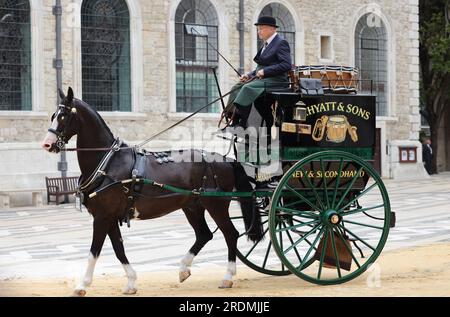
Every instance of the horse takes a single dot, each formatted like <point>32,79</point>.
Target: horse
<point>110,206</point>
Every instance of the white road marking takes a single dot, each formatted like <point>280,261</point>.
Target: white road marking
<point>22,255</point>
<point>40,228</point>
<point>67,248</point>
<point>4,233</point>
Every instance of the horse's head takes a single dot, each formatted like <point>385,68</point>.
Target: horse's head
<point>64,124</point>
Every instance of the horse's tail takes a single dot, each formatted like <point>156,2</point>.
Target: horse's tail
<point>250,213</point>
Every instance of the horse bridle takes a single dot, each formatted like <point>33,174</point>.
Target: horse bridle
<point>62,138</point>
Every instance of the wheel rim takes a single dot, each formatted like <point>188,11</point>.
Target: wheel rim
<point>259,256</point>
<point>333,194</point>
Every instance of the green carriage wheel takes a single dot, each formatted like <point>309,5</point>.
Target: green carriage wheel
<point>341,214</point>
<point>259,256</point>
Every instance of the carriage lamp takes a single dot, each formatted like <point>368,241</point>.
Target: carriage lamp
<point>300,111</point>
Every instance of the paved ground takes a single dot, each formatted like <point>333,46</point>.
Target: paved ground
<point>54,241</point>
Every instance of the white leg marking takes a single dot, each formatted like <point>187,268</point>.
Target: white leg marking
<point>228,278</point>
<point>231,271</point>
<point>87,280</point>
<point>185,264</point>
<point>130,289</point>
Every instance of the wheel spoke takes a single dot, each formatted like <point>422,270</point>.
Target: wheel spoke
<point>292,241</point>
<point>347,247</point>
<point>336,255</point>
<point>363,224</point>
<point>267,255</point>
<point>304,214</point>
<point>358,197</point>
<point>338,179</point>
<point>313,206</point>
<point>322,255</point>
<point>349,187</point>
<point>356,211</point>
<point>301,239</point>
<point>354,235</point>
<point>294,203</point>
<point>297,226</point>
<point>313,188</point>
<point>310,249</point>
<point>324,180</point>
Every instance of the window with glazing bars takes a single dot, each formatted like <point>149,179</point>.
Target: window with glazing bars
<point>105,46</point>
<point>286,24</point>
<point>371,54</point>
<point>196,32</point>
<point>15,55</point>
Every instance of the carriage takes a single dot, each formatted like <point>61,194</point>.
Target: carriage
<point>329,217</point>
<point>326,221</point>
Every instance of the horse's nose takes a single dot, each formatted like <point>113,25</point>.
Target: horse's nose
<point>46,146</point>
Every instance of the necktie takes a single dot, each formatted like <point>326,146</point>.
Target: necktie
<point>264,47</point>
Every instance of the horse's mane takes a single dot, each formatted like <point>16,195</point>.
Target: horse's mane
<point>93,111</point>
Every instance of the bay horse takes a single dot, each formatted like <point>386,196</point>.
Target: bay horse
<point>111,206</point>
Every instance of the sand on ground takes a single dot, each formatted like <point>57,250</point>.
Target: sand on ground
<point>419,271</point>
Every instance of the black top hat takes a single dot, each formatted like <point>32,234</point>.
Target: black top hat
<point>267,20</point>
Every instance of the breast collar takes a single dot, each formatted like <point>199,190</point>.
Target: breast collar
<point>100,171</point>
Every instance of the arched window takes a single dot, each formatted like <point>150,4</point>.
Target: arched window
<point>196,33</point>
<point>105,49</point>
<point>371,54</point>
<point>285,21</point>
<point>15,55</point>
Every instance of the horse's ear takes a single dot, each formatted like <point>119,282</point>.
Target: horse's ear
<point>70,95</point>
<point>61,94</point>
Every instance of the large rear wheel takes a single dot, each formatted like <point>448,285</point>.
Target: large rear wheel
<point>339,214</point>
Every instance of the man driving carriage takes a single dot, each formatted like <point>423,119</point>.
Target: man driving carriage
<point>273,64</point>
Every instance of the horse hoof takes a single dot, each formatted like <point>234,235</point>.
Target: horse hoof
<point>79,293</point>
<point>184,275</point>
<point>129,291</point>
<point>226,284</point>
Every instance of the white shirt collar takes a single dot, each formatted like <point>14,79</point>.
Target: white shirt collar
<point>271,38</point>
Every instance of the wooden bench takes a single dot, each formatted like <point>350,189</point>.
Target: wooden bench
<point>36,196</point>
<point>60,186</point>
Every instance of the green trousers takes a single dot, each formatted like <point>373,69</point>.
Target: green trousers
<point>246,93</point>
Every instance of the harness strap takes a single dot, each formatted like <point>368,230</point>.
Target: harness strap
<point>136,186</point>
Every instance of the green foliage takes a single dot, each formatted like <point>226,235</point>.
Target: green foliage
<point>434,57</point>
<point>435,37</point>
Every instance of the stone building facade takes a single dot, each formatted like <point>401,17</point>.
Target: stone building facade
<point>322,32</point>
